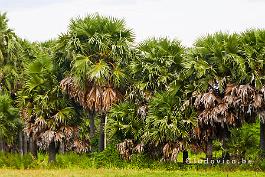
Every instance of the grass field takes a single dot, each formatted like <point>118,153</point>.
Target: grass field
<point>125,172</point>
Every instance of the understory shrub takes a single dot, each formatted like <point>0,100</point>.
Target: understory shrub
<point>110,158</point>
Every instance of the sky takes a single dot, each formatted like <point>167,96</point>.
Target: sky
<point>185,20</point>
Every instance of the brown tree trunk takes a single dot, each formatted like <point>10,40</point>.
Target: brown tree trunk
<point>91,124</point>
<point>25,144</point>
<point>62,147</point>
<point>33,147</point>
<point>225,154</point>
<point>20,142</point>
<point>185,156</point>
<point>209,151</point>
<point>52,152</point>
<point>2,149</point>
<point>262,139</point>
<point>102,133</point>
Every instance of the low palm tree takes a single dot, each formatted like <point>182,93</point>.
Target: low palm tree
<point>226,90</point>
<point>156,69</point>
<point>168,124</point>
<point>125,122</point>
<point>48,116</point>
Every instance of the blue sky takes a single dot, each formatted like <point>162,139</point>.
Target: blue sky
<point>185,20</point>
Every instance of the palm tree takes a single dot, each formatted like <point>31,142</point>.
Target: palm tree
<point>253,47</point>
<point>11,57</point>
<point>11,62</point>
<point>156,69</point>
<point>126,126</point>
<point>224,80</point>
<point>99,49</point>
<point>169,123</point>
<point>9,121</point>
<point>48,115</point>
<point>156,65</point>
<point>205,66</point>
<point>125,122</point>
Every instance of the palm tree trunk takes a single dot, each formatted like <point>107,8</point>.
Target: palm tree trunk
<point>25,144</point>
<point>33,147</point>
<point>225,154</point>
<point>92,124</point>
<point>262,139</point>
<point>52,152</point>
<point>20,141</point>
<point>209,150</point>
<point>102,133</point>
<point>2,145</point>
<point>185,156</point>
<point>62,147</point>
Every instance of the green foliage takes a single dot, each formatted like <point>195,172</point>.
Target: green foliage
<point>157,77</point>
<point>9,122</point>
<point>124,122</point>
<point>252,42</point>
<point>16,161</point>
<point>108,158</point>
<point>99,48</point>
<point>47,114</point>
<point>157,64</point>
<point>166,120</point>
<point>244,141</point>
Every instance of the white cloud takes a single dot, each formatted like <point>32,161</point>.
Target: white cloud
<point>185,20</point>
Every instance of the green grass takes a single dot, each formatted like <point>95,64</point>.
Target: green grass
<point>124,172</point>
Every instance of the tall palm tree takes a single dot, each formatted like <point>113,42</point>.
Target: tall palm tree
<point>11,57</point>
<point>9,121</point>
<point>11,61</point>
<point>99,49</point>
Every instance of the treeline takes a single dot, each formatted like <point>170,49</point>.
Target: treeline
<point>93,86</point>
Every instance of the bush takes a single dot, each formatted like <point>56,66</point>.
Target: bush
<point>16,161</point>
<point>110,158</point>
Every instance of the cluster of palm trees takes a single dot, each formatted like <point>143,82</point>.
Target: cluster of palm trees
<point>158,97</point>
